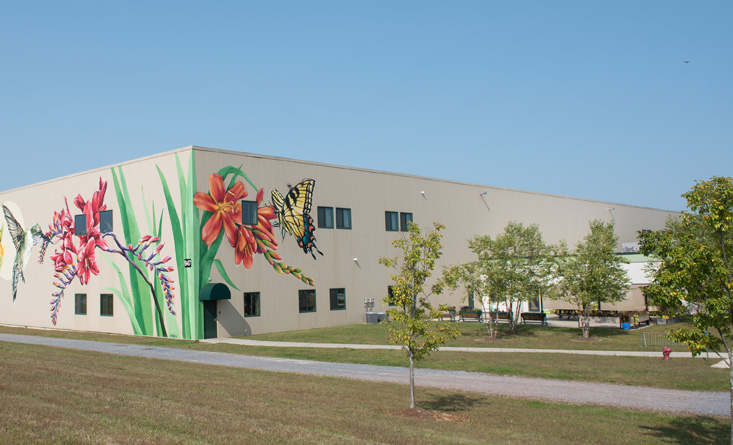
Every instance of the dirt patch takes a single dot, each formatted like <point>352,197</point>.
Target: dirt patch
<point>419,413</point>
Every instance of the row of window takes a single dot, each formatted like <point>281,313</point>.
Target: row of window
<point>397,221</point>
<point>105,223</point>
<point>306,301</point>
<point>325,218</point>
<point>106,304</point>
<point>394,221</point>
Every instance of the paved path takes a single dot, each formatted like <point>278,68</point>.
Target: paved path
<point>289,344</point>
<point>572,392</point>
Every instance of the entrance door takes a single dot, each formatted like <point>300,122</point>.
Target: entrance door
<point>210,319</point>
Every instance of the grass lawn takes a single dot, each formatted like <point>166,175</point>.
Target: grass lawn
<point>688,374</point>
<point>54,395</point>
<point>475,335</point>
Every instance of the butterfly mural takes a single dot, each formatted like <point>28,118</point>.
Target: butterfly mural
<point>23,242</point>
<point>293,214</point>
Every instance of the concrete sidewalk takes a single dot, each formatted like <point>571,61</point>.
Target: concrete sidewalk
<point>287,344</point>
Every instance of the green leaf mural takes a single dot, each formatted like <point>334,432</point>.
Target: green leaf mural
<point>185,247</point>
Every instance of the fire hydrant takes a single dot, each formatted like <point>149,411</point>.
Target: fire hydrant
<point>665,352</point>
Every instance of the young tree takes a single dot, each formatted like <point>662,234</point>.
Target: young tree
<point>593,273</point>
<point>695,268</point>
<point>517,265</point>
<point>410,324</point>
<point>473,277</point>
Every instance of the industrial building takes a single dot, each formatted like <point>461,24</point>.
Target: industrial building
<point>200,242</point>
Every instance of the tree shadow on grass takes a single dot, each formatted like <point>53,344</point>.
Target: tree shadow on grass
<point>697,430</point>
<point>452,403</point>
<point>606,332</point>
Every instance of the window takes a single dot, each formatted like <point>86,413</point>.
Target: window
<point>105,305</point>
<point>343,218</point>
<point>534,304</point>
<point>251,304</point>
<point>390,295</point>
<point>307,300</point>
<point>80,225</point>
<point>391,221</point>
<point>338,299</point>
<point>105,221</point>
<point>249,213</point>
<point>404,219</point>
<point>80,305</point>
<point>325,217</point>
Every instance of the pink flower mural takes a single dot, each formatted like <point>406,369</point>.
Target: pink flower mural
<point>78,259</point>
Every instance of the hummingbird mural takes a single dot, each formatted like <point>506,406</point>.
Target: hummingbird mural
<point>24,242</point>
<point>2,248</point>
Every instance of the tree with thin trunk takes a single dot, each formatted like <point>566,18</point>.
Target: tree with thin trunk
<point>473,277</point>
<point>409,320</point>
<point>694,271</point>
<point>517,265</point>
<point>593,274</point>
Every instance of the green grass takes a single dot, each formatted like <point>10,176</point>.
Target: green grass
<point>55,395</point>
<point>687,374</point>
<point>475,335</point>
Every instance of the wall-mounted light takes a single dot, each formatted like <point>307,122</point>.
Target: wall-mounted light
<point>610,210</point>
<point>482,194</point>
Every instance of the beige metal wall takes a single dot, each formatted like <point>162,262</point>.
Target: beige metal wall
<point>461,207</point>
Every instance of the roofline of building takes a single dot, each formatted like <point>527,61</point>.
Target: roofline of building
<point>321,164</point>
<point>407,175</point>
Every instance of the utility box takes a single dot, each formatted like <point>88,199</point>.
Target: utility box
<point>375,317</point>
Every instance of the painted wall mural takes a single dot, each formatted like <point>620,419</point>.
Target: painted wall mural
<point>2,247</point>
<point>222,209</point>
<point>23,241</point>
<point>199,221</point>
<point>293,214</point>
<point>75,258</point>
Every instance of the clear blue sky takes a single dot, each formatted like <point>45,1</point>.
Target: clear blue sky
<point>583,99</point>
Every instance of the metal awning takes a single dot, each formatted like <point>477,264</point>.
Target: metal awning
<point>215,291</point>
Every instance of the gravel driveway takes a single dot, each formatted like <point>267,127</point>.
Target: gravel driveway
<point>572,392</point>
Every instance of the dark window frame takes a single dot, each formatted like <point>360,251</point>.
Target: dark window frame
<point>106,305</point>
<point>252,313</point>
<point>392,221</point>
<point>304,301</point>
<point>80,304</point>
<point>341,222</point>
<point>325,217</point>
<point>105,221</point>
<point>404,226</point>
<point>334,300</point>
<point>80,224</point>
<point>249,209</point>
